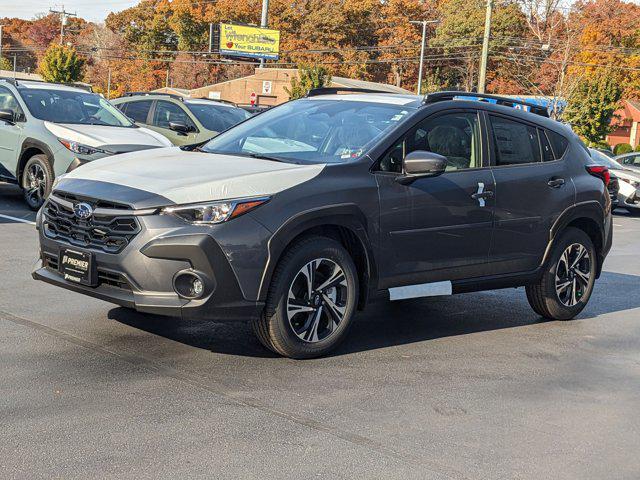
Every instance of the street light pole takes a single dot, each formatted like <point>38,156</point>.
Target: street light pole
<point>422,48</point>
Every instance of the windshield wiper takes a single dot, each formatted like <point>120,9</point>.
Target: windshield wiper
<point>265,157</point>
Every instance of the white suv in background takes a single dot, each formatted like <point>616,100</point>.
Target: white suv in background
<point>47,129</point>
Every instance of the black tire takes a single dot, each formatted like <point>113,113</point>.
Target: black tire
<point>36,181</point>
<point>320,328</point>
<point>545,298</point>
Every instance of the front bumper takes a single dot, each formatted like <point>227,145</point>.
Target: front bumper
<point>141,275</point>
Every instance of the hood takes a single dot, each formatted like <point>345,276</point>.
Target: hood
<point>101,136</point>
<point>169,176</point>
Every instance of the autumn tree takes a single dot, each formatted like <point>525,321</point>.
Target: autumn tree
<point>61,64</point>
<point>5,64</point>
<point>309,77</point>
<point>460,37</point>
<point>592,105</point>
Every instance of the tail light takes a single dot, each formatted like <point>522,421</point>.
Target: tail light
<point>601,172</point>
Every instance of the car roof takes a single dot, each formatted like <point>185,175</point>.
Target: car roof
<point>387,98</point>
<point>48,86</point>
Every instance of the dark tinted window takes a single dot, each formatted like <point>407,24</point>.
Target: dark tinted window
<point>558,143</point>
<point>217,118</point>
<point>515,142</point>
<point>167,112</point>
<point>138,110</point>
<point>547,152</point>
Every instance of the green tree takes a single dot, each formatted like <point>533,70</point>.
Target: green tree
<point>309,77</point>
<point>592,104</point>
<point>61,64</point>
<point>5,64</point>
<point>622,148</point>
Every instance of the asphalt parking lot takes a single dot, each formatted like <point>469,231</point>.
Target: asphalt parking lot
<point>473,386</point>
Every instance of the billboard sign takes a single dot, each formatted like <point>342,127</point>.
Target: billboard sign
<point>249,42</point>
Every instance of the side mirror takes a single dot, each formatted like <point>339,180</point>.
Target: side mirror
<point>7,116</point>
<point>420,164</point>
<point>179,127</point>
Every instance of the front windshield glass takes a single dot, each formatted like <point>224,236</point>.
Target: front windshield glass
<point>602,159</point>
<point>72,106</point>
<point>217,118</point>
<point>311,131</point>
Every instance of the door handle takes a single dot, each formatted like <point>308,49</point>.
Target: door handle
<point>487,194</point>
<point>481,194</point>
<point>556,182</point>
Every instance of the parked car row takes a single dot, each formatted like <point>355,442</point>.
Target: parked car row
<point>627,179</point>
<point>48,129</point>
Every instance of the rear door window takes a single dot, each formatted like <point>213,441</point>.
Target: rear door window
<point>547,151</point>
<point>514,142</point>
<point>138,111</point>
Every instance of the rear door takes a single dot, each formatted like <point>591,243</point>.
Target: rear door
<point>533,188</point>
<point>11,134</point>
<point>437,228</point>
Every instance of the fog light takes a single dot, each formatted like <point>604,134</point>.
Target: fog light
<point>188,284</point>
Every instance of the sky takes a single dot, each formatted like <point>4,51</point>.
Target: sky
<point>94,10</point>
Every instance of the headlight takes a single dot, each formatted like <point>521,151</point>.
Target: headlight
<point>79,148</point>
<point>214,212</point>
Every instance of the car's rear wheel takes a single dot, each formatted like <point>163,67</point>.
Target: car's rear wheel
<point>311,301</point>
<point>567,282</point>
<point>37,178</point>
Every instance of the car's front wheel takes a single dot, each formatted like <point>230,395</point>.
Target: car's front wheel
<point>37,178</point>
<point>311,300</point>
<point>568,278</point>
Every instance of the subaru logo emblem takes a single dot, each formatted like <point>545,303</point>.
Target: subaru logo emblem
<point>83,210</point>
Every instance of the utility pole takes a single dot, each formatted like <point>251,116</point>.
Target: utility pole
<point>424,24</point>
<point>264,22</point>
<point>109,85</point>
<point>0,42</point>
<point>64,16</point>
<point>210,37</point>
<point>482,76</point>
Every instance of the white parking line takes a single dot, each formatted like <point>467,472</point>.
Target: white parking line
<point>16,219</point>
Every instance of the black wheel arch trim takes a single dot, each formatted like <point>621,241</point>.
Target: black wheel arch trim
<point>346,215</point>
<point>590,210</point>
<point>27,144</point>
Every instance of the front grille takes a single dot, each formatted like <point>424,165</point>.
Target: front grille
<point>108,233</point>
<point>105,277</point>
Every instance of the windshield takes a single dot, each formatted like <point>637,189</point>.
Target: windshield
<point>603,159</point>
<point>311,131</point>
<point>217,118</point>
<point>71,106</point>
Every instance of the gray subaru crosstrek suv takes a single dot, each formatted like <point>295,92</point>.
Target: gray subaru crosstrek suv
<point>295,218</point>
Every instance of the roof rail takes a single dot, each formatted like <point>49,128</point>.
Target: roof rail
<point>314,92</point>
<point>483,97</point>
<point>17,81</point>
<point>172,95</point>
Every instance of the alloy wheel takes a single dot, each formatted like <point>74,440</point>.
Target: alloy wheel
<point>35,184</point>
<point>317,300</point>
<point>573,274</point>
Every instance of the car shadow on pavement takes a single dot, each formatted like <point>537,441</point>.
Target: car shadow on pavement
<point>387,324</point>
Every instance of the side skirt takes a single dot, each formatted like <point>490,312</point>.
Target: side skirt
<point>477,284</point>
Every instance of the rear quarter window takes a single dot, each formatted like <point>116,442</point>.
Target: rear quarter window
<point>559,144</point>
